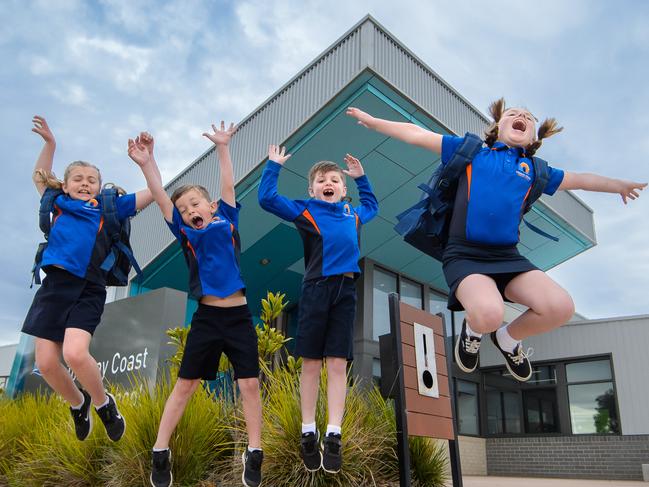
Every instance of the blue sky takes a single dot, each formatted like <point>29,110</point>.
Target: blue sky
<point>102,71</point>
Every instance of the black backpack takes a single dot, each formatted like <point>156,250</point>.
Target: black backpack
<point>425,225</point>
<point>120,257</point>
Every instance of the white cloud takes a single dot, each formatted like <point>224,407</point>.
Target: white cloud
<point>72,94</point>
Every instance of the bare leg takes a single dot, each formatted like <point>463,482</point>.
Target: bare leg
<point>174,408</point>
<point>550,306</point>
<point>336,388</point>
<point>482,302</point>
<point>309,383</point>
<point>251,410</point>
<point>77,356</point>
<point>48,361</point>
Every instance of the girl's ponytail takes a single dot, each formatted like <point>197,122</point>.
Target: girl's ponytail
<point>548,128</point>
<point>47,178</point>
<point>496,110</point>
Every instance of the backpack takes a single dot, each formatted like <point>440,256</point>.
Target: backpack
<point>120,257</point>
<point>425,225</point>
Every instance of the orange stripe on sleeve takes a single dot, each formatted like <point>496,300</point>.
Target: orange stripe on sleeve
<point>309,217</point>
<point>469,170</point>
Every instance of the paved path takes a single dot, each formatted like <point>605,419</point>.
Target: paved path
<point>471,481</point>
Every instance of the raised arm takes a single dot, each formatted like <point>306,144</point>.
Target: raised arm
<point>145,197</point>
<point>142,158</point>
<point>602,184</point>
<point>369,204</point>
<point>46,157</point>
<point>221,139</point>
<point>406,132</point>
<point>269,199</point>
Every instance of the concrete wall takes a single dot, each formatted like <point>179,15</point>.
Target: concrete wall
<point>473,455</point>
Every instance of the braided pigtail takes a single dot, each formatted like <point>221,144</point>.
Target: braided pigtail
<point>548,128</point>
<point>496,109</point>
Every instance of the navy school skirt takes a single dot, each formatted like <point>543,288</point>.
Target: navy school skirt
<point>500,262</point>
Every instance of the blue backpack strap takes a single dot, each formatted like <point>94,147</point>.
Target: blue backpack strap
<point>541,179</point>
<point>113,227</point>
<point>45,223</point>
<point>463,155</point>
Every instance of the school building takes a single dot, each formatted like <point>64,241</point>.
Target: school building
<point>583,413</point>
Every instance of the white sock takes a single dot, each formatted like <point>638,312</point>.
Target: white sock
<point>253,449</point>
<point>472,333</point>
<point>505,340</point>
<point>308,427</point>
<point>102,405</point>
<point>160,449</point>
<point>79,406</point>
<point>332,428</point>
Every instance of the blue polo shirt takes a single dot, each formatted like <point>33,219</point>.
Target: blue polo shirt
<point>491,193</point>
<point>77,240</point>
<point>212,253</point>
<point>330,231</point>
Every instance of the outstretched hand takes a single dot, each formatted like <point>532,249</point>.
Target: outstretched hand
<point>42,129</point>
<point>364,119</point>
<point>138,152</point>
<point>630,190</point>
<point>145,139</point>
<point>354,167</point>
<point>277,155</point>
<point>222,136</point>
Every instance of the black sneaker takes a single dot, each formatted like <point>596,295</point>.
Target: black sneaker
<point>517,362</point>
<point>82,418</point>
<point>466,350</point>
<point>113,421</point>
<point>251,476</point>
<point>161,469</point>
<point>332,457</point>
<point>310,449</point>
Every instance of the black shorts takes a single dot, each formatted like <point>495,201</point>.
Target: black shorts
<point>326,318</point>
<point>64,301</point>
<point>217,330</point>
<point>463,258</point>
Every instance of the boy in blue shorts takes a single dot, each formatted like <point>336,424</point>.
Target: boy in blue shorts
<point>208,234</point>
<point>330,230</point>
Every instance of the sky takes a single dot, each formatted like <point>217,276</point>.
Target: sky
<point>102,71</point>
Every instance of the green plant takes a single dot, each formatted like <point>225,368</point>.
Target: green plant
<point>428,461</point>
<point>269,340</point>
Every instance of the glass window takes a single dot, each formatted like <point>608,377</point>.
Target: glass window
<point>437,304</point>
<point>384,284</point>
<point>589,371</point>
<point>512,412</point>
<point>540,406</point>
<point>494,412</point>
<point>592,408</point>
<point>411,293</point>
<point>503,412</point>
<point>544,374</point>
<point>467,407</point>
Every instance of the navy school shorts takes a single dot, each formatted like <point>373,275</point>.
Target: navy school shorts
<point>326,318</point>
<point>217,330</point>
<point>463,258</point>
<point>64,301</point>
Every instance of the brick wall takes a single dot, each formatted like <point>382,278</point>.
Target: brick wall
<point>585,457</point>
<point>473,455</point>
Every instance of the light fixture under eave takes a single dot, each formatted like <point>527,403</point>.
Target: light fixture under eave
<point>264,261</point>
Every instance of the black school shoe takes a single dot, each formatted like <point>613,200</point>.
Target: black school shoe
<point>332,457</point>
<point>466,350</point>
<point>161,469</point>
<point>517,362</point>
<point>82,417</point>
<point>113,421</point>
<point>310,450</point>
<point>251,476</point>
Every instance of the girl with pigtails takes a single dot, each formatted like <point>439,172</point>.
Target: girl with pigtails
<point>481,263</point>
<point>68,306</point>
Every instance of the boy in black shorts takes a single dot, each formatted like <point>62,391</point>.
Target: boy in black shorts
<point>209,238</point>
<point>330,230</point>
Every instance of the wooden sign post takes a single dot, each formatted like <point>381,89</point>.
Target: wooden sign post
<point>414,372</point>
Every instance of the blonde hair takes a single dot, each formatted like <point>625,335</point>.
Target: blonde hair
<point>49,179</point>
<point>548,128</point>
<point>324,167</point>
<point>188,187</point>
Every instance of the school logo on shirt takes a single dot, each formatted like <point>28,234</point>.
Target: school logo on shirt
<point>91,204</point>
<point>216,220</point>
<point>347,210</point>
<point>523,170</point>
